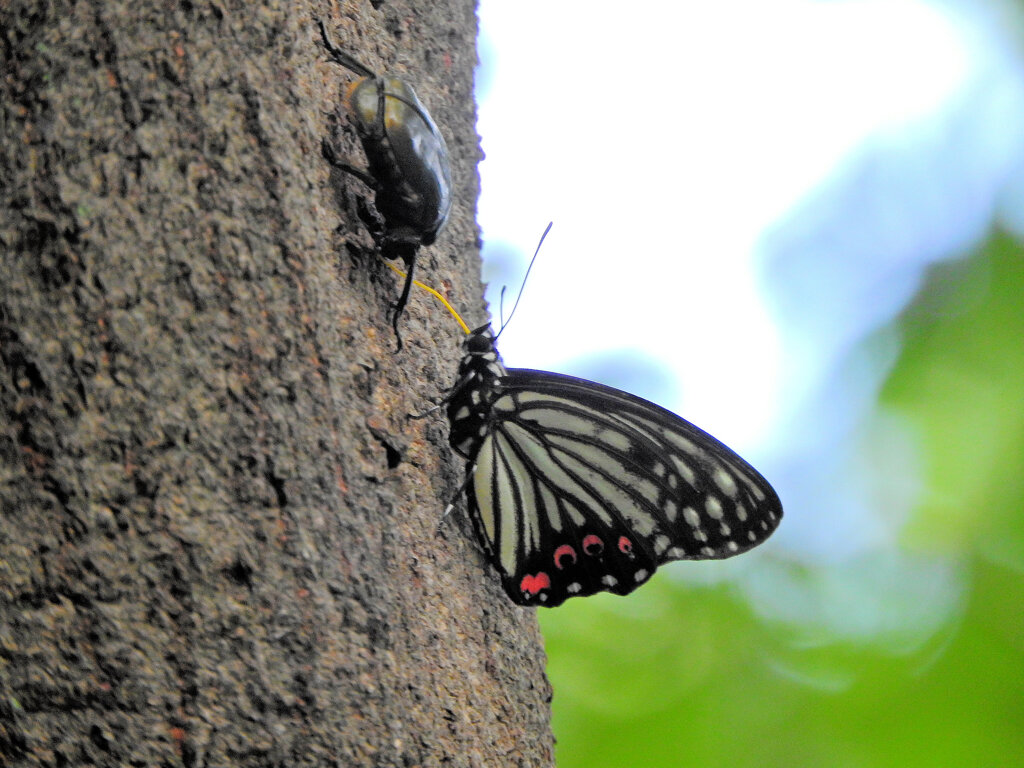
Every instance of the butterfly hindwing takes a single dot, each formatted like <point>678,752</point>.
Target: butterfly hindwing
<point>571,542</point>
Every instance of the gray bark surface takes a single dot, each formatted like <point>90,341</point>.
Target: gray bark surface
<point>219,531</point>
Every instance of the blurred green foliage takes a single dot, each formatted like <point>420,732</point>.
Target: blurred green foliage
<point>681,674</point>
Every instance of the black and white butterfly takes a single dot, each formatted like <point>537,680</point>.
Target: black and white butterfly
<point>576,488</point>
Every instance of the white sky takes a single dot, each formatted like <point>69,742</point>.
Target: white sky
<point>662,174</point>
<point>742,192</point>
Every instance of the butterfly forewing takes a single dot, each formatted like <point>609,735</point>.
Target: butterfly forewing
<point>578,488</point>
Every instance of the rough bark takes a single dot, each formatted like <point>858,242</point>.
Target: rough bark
<point>219,531</point>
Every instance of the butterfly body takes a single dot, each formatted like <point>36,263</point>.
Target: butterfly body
<point>576,488</point>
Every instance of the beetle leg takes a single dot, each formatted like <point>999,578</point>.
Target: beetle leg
<point>374,223</point>
<point>340,57</point>
<point>331,156</point>
<point>368,213</point>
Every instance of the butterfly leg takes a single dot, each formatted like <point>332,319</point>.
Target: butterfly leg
<point>455,497</point>
<point>451,506</point>
<point>452,393</point>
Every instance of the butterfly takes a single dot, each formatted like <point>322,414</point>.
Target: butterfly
<point>575,488</point>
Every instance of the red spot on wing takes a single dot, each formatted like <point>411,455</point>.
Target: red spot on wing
<point>592,544</point>
<point>531,585</point>
<point>625,545</point>
<point>562,552</point>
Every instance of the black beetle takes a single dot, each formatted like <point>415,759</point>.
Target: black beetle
<point>409,169</point>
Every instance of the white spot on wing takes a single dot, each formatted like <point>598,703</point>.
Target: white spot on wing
<point>503,405</point>
<point>713,507</point>
<point>609,581</point>
<point>725,481</point>
<point>691,517</point>
<point>686,471</point>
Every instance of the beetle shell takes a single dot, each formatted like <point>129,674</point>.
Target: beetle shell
<point>407,156</point>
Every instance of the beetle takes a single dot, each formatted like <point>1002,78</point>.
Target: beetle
<point>409,167</point>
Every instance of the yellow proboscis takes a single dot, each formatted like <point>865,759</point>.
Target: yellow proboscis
<point>436,295</point>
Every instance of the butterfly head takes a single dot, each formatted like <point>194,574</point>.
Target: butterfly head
<point>480,355</point>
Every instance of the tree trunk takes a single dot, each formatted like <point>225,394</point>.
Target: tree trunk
<point>220,535</point>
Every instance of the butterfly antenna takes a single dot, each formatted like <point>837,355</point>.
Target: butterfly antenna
<point>433,293</point>
<point>501,305</point>
<point>505,323</point>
